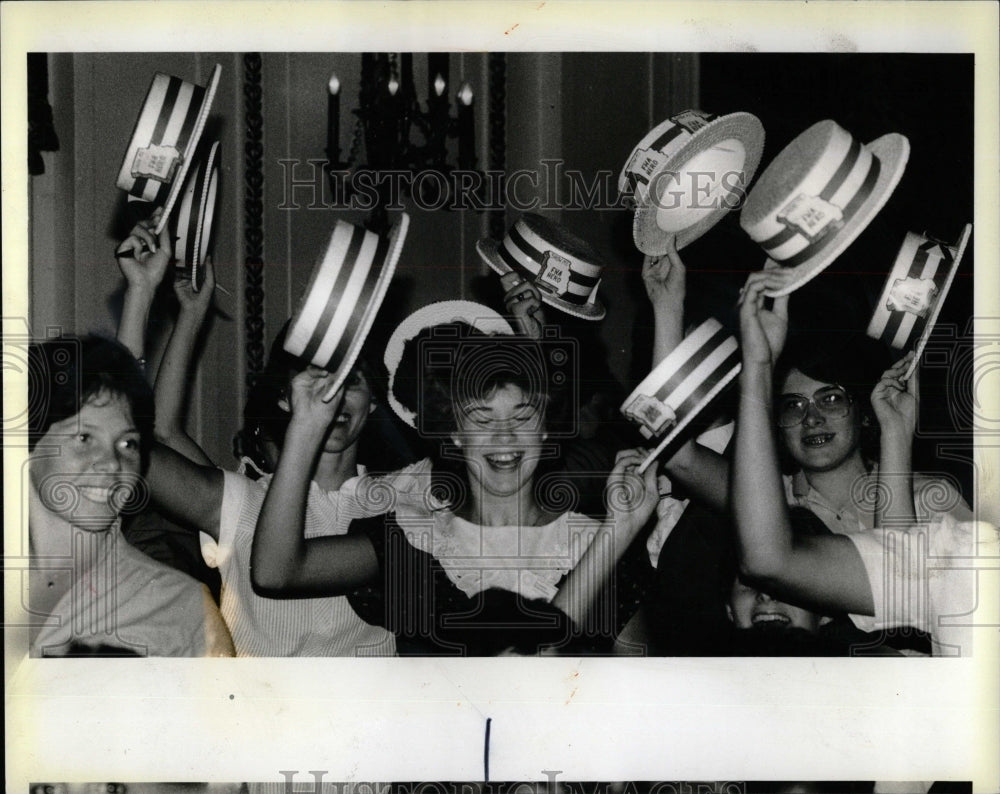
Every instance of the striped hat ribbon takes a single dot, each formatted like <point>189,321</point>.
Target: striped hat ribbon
<point>911,298</point>
<point>172,109</point>
<point>813,218</point>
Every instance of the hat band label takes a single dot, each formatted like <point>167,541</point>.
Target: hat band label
<point>811,216</point>
<point>899,326</point>
<point>533,272</point>
<point>693,120</point>
<point>645,163</point>
<point>156,162</point>
<point>912,295</point>
<point>816,246</point>
<point>654,415</point>
<point>555,274</point>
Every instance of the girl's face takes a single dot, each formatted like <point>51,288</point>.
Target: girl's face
<point>84,468</point>
<point>750,608</point>
<point>819,442</point>
<point>500,436</point>
<point>352,414</point>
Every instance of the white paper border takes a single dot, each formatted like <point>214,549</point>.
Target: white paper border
<point>665,719</point>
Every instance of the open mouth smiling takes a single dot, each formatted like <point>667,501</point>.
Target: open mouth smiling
<point>504,461</point>
<point>817,440</point>
<point>770,619</point>
<point>94,494</point>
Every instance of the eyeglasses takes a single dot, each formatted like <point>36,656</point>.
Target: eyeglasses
<point>832,402</point>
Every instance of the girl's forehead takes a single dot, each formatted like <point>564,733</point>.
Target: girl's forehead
<point>797,382</point>
<point>106,406</point>
<point>500,394</point>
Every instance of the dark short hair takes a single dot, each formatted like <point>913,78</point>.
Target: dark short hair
<point>67,372</point>
<point>454,362</point>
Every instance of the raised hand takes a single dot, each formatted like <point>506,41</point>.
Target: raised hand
<point>524,303</point>
<point>311,402</point>
<point>896,401</point>
<point>193,303</point>
<point>143,257</point>
<point>631,497</point>
<point>763,331</point>
<point>664,277</point>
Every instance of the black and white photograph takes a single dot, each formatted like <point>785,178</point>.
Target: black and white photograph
<point>563,394</point>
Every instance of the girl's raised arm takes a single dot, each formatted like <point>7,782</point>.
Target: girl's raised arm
<point>283,563</point>
<point>825,570</point>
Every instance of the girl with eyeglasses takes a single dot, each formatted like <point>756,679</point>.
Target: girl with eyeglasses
<point>841,450</point>
<point>877,565</point>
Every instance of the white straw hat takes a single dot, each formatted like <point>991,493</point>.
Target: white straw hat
<point>345,291</point>
<point>818,195</point>
<point>195,216</point>
<point>687,173</point>
<point>565,269</point>
<point>164,140</point>
<point>682,385</point>
<point>915,291</point>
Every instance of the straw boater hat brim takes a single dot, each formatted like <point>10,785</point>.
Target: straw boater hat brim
<point>195,216</point>
<point>345,291</point>
<point>163,142</point>
<point>708,145</point>
<point>682,385</point>
<point>480,317</point>
<point>489,252</point>
<point>773,190</point>
<point>914,293</point>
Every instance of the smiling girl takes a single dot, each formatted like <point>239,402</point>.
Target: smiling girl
<point>91,426</point>
<point>471,560</point>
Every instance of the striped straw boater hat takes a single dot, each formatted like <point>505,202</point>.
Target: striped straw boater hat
<point>345,291</point>
<point>164,140</point>
<point>818,195</point>
<point>682,385</point>
<point>195,215</point>
<point>687,173</point>
<point>565,269</point>
<point>915,291</point>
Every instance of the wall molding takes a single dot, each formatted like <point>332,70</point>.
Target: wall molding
<point>253,210</point>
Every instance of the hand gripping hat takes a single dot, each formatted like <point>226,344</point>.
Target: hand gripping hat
<point>915,291</point>
<point>565,269</point>
<point>818,195</point>
<point>195,215</point>
<point>476,315</point>
<point>164,140</point>
<point>682,385</point>
<point>345,290</point>
<point>687,173</point>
